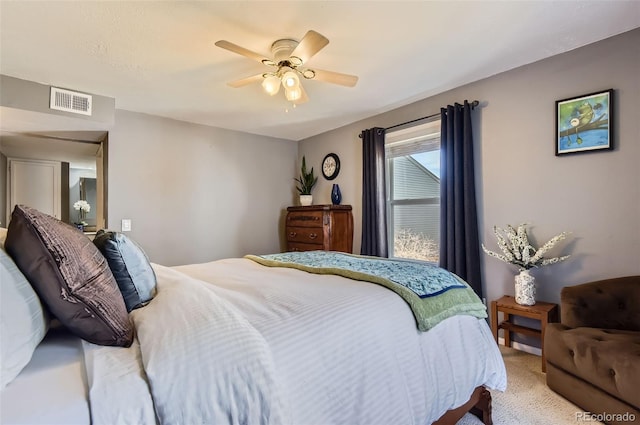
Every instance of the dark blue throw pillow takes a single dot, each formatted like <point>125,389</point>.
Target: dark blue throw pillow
<point>130,267</point>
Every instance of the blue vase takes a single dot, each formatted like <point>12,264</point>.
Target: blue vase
<point>336,195</point>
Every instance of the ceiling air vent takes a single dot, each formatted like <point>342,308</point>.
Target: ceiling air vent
<point>70,101</point>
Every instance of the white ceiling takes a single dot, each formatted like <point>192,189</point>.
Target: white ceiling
<point>159,57</point>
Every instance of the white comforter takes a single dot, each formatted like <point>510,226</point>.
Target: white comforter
<point>234,342</point>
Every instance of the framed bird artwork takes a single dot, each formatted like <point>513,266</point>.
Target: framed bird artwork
<point>584,123</point>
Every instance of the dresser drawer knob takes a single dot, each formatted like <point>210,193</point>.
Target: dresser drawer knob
<point>292,234</point>
<point>313,235</point>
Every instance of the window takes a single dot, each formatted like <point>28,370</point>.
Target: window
<point>413,191</point>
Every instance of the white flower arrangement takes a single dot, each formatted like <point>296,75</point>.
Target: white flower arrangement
<point>517,250</point>
<point>83,208</point>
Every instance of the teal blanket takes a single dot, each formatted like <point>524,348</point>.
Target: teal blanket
<point>433,293</point>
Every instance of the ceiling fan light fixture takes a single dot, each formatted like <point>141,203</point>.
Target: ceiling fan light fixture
<point>290,80</point>
<point>293,94</point>
<point>271,84</point>
<point>288,57</point>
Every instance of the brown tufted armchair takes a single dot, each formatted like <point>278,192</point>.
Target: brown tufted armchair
<point>593,355</point>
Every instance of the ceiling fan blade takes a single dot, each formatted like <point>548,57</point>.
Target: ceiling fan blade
<point>311,43</point>
<point>241,50</point>
<point>335,78</point>
<point>303,96</point>
<point>244,81</point>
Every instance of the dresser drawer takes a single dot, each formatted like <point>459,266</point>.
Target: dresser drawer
<point>305,234</point>
<point>305,219</point>
<point>319,227</point>
<point>296,246</point>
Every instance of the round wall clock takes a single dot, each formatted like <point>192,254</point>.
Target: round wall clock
<point>330,166</point>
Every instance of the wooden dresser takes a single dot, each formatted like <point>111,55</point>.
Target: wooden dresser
<point>320,227</point>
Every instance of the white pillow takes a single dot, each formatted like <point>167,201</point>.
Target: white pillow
<point>23,322</point>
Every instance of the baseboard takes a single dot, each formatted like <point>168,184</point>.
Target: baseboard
<point>523,347</point>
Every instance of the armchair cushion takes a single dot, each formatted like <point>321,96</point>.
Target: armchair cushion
<point>608,359</point>
<point>605,304</point>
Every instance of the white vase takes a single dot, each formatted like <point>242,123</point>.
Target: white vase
<point>525,288</point>
<point>306,200</point>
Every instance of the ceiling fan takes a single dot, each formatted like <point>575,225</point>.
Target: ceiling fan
<point>288,60</point>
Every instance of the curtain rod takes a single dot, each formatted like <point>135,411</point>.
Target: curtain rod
<point>473,105</point>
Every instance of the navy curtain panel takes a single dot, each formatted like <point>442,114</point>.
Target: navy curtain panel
<point>374,210</point>
<point>459,242</point>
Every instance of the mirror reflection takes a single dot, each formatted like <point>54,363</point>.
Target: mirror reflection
<point>52,173</point>
<point>82,187</point>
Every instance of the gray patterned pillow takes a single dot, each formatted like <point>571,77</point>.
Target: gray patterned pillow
<point>130,267</point>
<point>70,275</point>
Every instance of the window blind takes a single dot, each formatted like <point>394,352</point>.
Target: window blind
<point>415,139</point>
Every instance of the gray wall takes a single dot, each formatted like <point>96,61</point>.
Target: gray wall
<point>3,190</point>
<point>28,95</point>
<point>596,195</point>
<point>196,193</point>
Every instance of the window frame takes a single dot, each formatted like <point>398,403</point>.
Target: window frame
<point>429,132</point>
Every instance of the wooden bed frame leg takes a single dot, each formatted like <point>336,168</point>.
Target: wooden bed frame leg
<point>479,404</point>
<point>482,408</point>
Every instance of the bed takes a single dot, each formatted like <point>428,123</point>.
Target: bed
<point>241,341</point>
<point>52,388</point>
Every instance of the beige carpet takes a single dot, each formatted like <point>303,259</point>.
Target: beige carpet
<point>527,400</point>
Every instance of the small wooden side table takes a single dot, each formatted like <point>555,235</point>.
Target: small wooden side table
<point>544,312</point>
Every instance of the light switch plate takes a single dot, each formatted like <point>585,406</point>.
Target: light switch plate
<point>126,225</point>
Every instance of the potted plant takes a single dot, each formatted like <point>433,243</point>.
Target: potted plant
<point>519,251</point>
<point>306,181</point>
<point>83,208</point>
